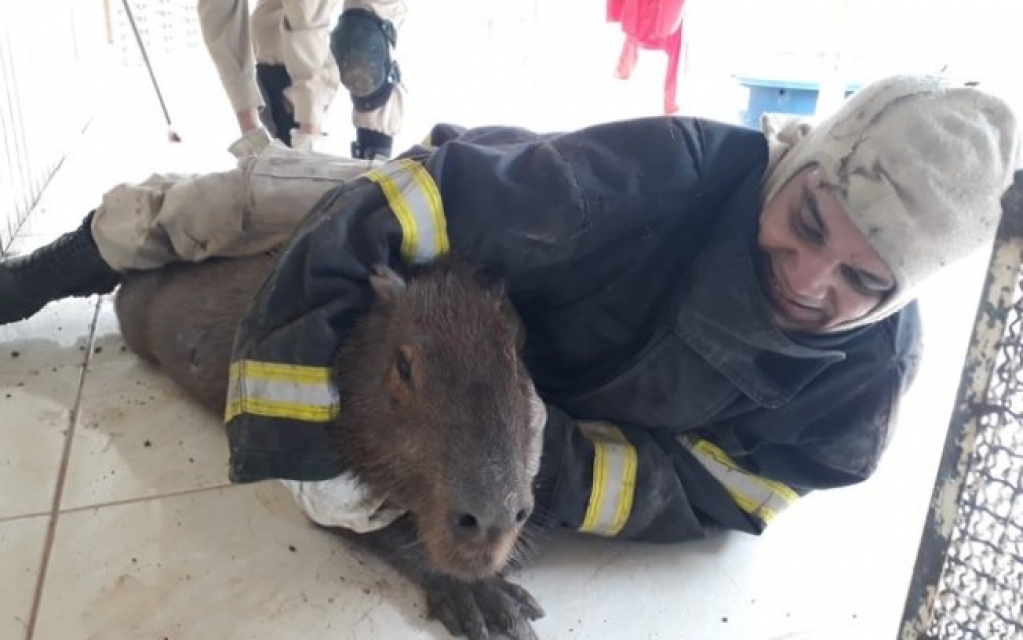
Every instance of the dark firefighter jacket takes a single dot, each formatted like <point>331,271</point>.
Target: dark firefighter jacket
<point>675,407</point>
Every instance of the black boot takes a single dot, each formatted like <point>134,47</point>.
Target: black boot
<point>68,266</point>
<point>371,145</point>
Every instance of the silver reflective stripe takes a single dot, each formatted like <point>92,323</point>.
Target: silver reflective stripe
<point>615,463</point>
<point>281,391</point>
<point>415,199</point>
<point>760,497</point>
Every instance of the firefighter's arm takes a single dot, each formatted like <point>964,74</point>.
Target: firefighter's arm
<point>651,484</point>
<point>281,394</point>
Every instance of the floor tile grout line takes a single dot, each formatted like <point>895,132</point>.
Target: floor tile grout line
<point>23,516</point>
<point>117,503</point>
<point>158,496</point>
<point>65,459</point>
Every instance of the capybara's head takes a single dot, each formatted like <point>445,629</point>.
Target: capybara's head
<point>439,415</point>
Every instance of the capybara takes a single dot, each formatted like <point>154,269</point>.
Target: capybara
<point>437,414</point>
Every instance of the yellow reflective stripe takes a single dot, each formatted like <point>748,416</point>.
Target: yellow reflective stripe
<point>281,391</point>
<point>278,371</point>
<point>415,199</point>
<point>758,496</point>
<point>614,479</point>
<point>276,409</point>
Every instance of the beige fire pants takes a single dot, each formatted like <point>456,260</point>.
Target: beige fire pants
<point>295,33</point>
<point>251,208</point>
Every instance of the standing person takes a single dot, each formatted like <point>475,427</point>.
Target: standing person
<point>281,60</point>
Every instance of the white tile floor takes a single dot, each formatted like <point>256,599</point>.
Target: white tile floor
<point>117,521</point>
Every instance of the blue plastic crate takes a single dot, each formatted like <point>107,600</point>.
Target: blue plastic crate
<point>774,95</point>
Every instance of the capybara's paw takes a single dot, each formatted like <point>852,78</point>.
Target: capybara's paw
<point>477,609</point>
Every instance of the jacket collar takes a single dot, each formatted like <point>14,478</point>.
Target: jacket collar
<point>721,312</point>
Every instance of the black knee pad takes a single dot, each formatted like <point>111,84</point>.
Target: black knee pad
<point>361,43</point>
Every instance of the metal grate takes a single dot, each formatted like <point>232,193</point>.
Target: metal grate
<point>48,51</point>
<point>979,593</point>
<point>968,583</point>
<point>168,28</point>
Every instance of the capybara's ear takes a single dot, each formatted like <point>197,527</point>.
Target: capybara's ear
<point>386,283</point>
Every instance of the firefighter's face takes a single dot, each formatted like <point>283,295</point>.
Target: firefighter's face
<point>819,269</point>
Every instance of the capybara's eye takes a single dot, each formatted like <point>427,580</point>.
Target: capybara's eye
<point>404,364</point>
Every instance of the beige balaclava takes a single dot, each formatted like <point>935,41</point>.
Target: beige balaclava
<point>918,164</point>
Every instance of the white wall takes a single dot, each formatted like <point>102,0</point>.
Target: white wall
<point>48,52</point>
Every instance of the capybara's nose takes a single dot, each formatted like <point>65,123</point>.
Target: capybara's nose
<point>481,519</point>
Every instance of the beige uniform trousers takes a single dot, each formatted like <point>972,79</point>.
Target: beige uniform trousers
<point>251,208</point>
<point>296,34</point>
